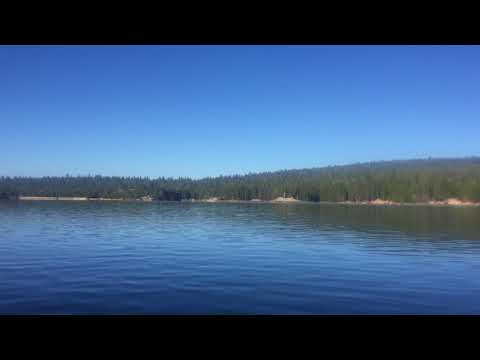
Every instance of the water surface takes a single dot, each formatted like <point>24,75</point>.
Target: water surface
<point>63,257</point>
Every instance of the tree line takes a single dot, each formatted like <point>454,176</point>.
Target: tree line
<point>399,180</point>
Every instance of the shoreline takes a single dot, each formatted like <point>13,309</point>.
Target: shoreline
<point>63,198</point>
<point>449,202</point>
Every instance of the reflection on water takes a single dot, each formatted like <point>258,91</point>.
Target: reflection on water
<point>103,258</point>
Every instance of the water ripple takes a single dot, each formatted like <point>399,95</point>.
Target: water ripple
<point>96,258</point>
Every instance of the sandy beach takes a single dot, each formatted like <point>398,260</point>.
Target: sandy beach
<point>279,200</point>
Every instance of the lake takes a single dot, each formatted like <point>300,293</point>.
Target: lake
<point>67,257</point>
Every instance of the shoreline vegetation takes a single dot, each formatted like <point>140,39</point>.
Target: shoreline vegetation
<point>278,200</point>
<point>442,182</point>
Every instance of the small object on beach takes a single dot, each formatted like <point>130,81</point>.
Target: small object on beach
<point>285,199</point>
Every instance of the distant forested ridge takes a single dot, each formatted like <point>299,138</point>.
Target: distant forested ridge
<point>399,180</point>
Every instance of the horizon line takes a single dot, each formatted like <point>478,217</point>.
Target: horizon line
<point>249,173</point>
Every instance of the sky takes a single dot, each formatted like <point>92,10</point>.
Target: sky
<point>197,111</point>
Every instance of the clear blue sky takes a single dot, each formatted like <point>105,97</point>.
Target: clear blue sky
<point>209,110</point>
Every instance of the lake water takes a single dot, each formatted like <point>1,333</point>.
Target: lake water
<point>174,258</point>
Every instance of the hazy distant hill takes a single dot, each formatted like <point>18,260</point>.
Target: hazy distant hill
<point>399,180</point>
